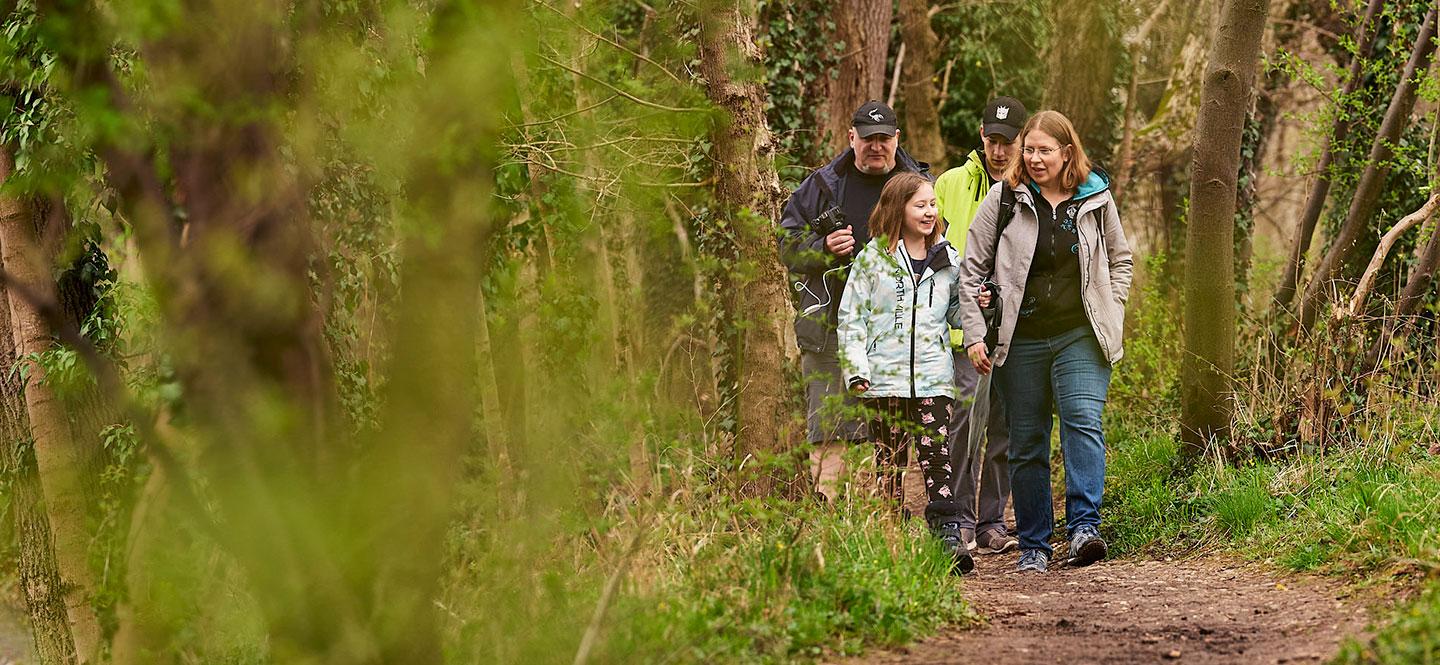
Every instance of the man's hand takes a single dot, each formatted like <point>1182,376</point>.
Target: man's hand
<point>978,357</point>
<point>859,385</point>
<point>840,243</point>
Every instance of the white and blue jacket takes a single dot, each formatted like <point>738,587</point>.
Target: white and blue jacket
<point>894,328</point>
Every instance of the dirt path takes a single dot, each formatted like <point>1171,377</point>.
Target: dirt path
<point>1198,611</point>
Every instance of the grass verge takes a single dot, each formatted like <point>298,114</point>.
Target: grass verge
<point>1367,513</point>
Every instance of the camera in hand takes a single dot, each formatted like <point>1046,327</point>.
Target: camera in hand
<point>828,222</point>
<point>992,315</point>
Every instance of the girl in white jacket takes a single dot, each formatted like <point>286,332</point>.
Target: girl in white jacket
<point>901,298</point>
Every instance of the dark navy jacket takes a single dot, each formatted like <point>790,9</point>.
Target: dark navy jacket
<point>817,277</point>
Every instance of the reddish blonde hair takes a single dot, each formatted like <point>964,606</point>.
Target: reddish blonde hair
<point>1054,123</point>
<point>889,214</point>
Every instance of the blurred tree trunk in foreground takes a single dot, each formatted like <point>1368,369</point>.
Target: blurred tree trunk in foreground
<point>59,461</point>
<point>1209,358</point>
<point>340,539</point>
<point>39,573</point>
<point>748,190</point>
<point>864,27</point>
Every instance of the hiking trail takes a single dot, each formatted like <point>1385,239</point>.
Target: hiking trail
<point>1202,610</point>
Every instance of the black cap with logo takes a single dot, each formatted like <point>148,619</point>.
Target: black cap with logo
<point>1004,116</point>
<point>874,118</point>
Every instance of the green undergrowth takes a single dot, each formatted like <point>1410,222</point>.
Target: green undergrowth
<point>788,582</point>
<point>1367,513</point>
<point>702,577</point>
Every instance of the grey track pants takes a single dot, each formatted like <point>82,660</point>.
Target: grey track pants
<point>981,481</point>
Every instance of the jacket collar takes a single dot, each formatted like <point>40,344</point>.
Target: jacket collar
<point>1093,193</point>
<point>937,259</point>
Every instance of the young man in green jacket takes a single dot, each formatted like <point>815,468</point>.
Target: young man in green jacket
<point>960,191</point>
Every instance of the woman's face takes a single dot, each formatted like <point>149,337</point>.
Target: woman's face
<point>1044,157</point>
<point>922,212</point>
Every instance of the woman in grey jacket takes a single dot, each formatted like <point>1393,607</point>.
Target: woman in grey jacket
<point>901,297</point>
<point>1063,266</point>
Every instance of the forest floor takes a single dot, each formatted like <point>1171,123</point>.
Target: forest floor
<point>1203,610</point>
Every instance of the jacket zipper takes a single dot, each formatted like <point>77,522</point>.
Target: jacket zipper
<point>914,303</point>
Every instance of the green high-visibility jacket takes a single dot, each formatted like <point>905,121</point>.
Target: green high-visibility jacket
<point>960,191</point>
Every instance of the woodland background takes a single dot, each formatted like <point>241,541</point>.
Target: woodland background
<point>373,331</point>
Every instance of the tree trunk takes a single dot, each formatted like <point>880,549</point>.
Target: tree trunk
<point>1339,131</point>
<point>747,191</point>
<point>864,28</point>
<point>1209,357</point>
<point>59,459</point>
<point>1080,69</point>
<point>1372,180</point>
<point>39,572</point>
<point>921,118</point>
<point>1127,134</point>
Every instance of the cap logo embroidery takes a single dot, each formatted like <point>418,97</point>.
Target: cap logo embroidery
<point>1001,112</point>
<point>875,115</point>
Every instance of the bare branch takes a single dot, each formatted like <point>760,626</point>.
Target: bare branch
<point>1367,281</point>
<point>622,93</point>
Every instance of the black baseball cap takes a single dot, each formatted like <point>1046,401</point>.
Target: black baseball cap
<point>1004,116</point>
<point>874,118</point>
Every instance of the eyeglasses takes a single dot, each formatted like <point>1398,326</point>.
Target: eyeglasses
<point>1043,152</point>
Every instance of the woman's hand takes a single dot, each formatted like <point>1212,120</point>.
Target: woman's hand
<point>859,385</point>
<point>983,298</point>
<point>979,357</point>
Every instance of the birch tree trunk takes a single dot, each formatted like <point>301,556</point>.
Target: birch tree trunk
<point>920,117</point>
<point>748,190</point>
<point>1209,358</point>
<point>1372,180</point>
<point>864,27</point>
<point>59,459</point>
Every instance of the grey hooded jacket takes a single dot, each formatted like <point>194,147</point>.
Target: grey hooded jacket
<point>1105,264</point>
<point>894,328</point>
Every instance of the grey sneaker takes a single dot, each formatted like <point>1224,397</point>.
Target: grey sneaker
<point>954,544</point>
<point>1086,546</point>
<point>1033,561</point>
<point>996,541</point>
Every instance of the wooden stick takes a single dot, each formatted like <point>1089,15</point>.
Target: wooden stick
<point>895,76</point>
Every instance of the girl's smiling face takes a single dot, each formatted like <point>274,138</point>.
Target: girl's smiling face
<point>922,213</point>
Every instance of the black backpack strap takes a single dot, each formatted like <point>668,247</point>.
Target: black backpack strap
<point>1002,218</point>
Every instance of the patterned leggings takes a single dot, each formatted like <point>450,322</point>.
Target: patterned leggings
<point>926,419</point>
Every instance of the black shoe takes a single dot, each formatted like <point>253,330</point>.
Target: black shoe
<point>954,544</point>
<point>1086,546</point>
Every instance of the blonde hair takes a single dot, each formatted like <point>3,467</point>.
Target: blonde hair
<point>889,214</point>
<point>1054,123</point>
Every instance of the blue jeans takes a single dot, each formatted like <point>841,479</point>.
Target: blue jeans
<point>1067,373</point>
